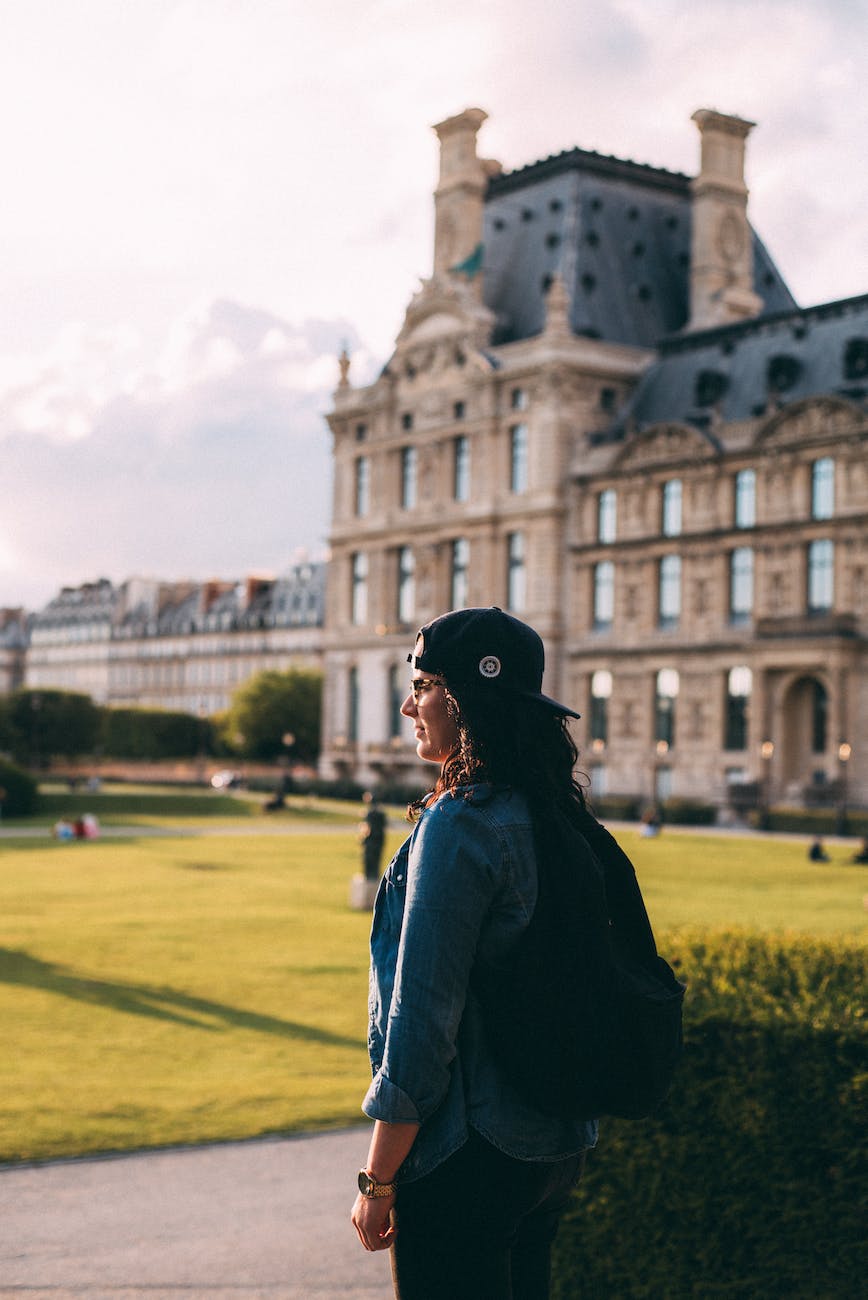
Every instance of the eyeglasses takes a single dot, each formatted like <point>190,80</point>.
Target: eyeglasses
<point>420,685</point>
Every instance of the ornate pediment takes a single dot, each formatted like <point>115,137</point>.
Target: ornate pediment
<point>810,420</point>
<point>664,443</point>
<point>446,318</point>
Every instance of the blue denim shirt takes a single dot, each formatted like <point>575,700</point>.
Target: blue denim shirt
<point>459,890</point>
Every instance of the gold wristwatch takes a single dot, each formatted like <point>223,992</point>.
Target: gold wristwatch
<point>369,1186</point>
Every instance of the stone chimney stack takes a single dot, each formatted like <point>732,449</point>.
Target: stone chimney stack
<point>460,194</point>
<point>721,264</point>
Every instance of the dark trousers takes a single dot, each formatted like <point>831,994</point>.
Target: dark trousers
<point>481,1226</point>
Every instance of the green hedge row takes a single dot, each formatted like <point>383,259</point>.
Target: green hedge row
<point>751,1182</point>
<point>18,791</point>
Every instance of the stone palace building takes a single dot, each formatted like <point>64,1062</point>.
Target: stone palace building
<point>606,413</point>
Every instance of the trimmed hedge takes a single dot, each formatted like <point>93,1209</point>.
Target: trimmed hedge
<point>751,1180</point>
<point>811,821</point>
<point>20,791</point>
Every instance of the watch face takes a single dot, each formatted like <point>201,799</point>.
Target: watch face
<point>366,1183</point>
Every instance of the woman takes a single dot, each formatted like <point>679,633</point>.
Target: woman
<point>465,1181</point>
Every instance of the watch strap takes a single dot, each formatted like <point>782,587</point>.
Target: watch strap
<point>370,1188</point>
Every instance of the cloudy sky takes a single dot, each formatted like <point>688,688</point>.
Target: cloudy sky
<point>203,199</point>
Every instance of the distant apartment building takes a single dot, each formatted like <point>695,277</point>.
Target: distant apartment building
<point>13,644</point>
<point>606,413</point>
<point>176,645</point>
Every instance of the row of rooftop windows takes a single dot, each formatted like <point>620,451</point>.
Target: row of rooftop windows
<point>819,594</point>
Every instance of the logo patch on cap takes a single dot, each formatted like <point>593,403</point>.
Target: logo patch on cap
<point>490,666</point>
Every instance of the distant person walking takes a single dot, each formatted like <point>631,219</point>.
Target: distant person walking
<point>373,836</point>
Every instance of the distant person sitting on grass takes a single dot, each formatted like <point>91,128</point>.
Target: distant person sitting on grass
<point>816,853</point>
<point>862,855</point>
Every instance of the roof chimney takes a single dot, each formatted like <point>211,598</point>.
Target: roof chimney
<point>460,194</point>
<point>721,266</point>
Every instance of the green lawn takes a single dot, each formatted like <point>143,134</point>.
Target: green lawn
<point>161,991</point>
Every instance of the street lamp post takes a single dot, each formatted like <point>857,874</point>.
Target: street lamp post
<point>844,752</point>
<point>767,753</point>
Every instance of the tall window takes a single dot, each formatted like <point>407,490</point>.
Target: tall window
<point>461,468</point>
<point>607,507</point>
<point>666,695</point>
<point>359,593</point>
<point>516,572</point>
<point>819,718</point>
<point>821,576</point>
<point>823,488</point>
<point>363,485</point>
<point>745,498</point>
<point>739,684</point>
<point>460,571</point>
<point>518,458</point>
<point>601,692</point>
<point>604,594</point>
<point>353,704</point>
<point>518,399</point>
<point>408,477</point>
<point>672,508</point>
<point>741,584</point>
<point>396,699</point>
<point>669,591</point>
<point>406,584</point>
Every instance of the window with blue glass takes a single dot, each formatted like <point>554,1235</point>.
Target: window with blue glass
<point>669,591</point>
<point>359,588</point>
<point>408,477</point>
<point>667,686</point>
<point>396,699</point>
<point>823,488</point>
<point>516,572</point>
<point>741,585</point>
<point>460,573</point>
<point>821,576</point>
<point>363,485</point>
<point>406,584</point>
<point>604,595</point>
<point>607,516</point>
<point>739,685</point>
<point>672,508</point>
<point>461,468</point>
<point>518,462</point>
<point>601,693</point>
<point>353,704</point>
<point>745,498</point>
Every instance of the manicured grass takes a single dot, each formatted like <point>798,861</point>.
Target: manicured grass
<point>158,991</point>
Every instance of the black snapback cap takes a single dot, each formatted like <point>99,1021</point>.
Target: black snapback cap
<point>487,647</point>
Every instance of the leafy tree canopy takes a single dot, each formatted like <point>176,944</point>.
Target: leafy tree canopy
<point>272,707</point>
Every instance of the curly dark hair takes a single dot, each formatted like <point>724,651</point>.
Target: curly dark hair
<point>511,741</point>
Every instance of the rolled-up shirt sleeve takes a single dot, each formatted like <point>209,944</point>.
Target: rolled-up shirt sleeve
<point>456,866</point>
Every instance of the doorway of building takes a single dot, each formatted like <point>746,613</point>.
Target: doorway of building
<point>805,733</point>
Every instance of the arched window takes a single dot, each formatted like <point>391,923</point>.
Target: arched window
<point>666,694</point>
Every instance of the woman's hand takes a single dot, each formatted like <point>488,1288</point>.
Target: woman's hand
<point>372,1220</point>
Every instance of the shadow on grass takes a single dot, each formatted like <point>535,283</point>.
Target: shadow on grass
<point>159,1003</point>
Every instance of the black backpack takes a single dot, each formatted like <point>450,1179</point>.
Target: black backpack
<point>584,1016</point>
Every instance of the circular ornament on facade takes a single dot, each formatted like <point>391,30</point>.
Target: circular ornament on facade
<point>730,237</point>
<point>489,666</point>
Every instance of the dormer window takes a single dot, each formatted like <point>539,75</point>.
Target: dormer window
<point>710,387</point>
<point>856,359</point>
<point>782,373</point>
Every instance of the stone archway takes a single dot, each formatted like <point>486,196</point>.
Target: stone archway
<point>805,739</point>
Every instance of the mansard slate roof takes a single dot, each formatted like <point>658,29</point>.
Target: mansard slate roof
<point>739,372</point>
<point>618,234</point>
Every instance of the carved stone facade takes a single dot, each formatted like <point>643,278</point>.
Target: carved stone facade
<point>662,467</point>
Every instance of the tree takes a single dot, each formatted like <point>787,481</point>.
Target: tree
<point>273,706</point>
<point>42,724</point>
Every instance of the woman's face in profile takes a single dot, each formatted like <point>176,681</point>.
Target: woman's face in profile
<point>436,732</point>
